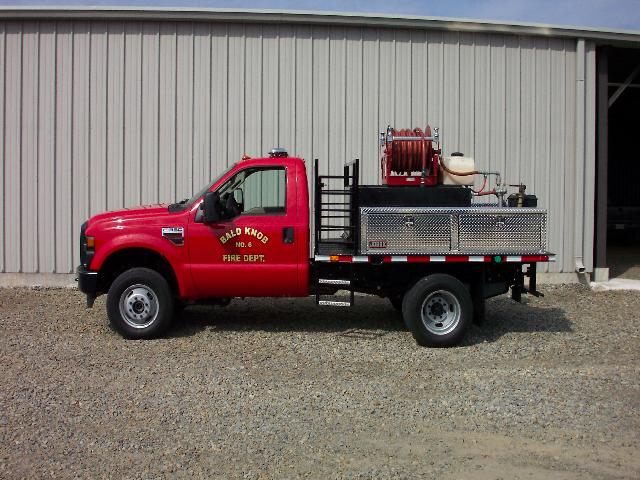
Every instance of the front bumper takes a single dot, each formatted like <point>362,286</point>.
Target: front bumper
<point>87,283</point>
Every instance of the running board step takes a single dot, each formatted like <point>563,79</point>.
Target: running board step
<point>334,281</point>
<point>334,303</point>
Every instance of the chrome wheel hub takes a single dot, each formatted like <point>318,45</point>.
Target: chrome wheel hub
<point>139,306</point>
<point>440,312</point>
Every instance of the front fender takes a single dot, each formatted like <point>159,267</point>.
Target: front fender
<point>174,254</point>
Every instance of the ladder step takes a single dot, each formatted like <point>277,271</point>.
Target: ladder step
<point>349,246</point>
<point>334,281</point>
<point>334,303</point>
<point>336,192</point>
<point>336,241</point>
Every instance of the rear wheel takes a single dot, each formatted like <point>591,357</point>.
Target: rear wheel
<point>437,310</point>
<point>140,304</point>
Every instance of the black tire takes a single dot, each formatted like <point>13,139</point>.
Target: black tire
<point>439,326</point>
<point>146,301</point>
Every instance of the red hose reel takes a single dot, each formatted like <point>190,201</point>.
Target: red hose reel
<point>409,157</point>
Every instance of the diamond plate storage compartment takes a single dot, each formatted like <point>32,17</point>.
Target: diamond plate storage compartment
<point>513,230</point>
<point>403,231</point>
<point>458,230</point>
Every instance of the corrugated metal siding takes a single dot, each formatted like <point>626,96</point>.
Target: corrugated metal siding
<point>100,115</point>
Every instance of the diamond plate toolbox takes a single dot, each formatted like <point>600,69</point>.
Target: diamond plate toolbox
<point>473,230</point>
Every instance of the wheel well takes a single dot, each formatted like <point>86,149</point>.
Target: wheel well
<point>396,279</point>
<point>127,258</point>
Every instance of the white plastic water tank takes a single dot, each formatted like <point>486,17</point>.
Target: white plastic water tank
<point>461,164</point>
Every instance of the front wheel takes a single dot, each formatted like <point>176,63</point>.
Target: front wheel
<point>140,304</point>
<point>437,310</point>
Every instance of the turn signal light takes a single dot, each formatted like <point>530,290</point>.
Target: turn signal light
<point>91,243</point>
<point>334,258</point>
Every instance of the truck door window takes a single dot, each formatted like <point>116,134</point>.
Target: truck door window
<point>258,191</point>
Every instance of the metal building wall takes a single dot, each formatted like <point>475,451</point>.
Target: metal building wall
<point>101,115</point>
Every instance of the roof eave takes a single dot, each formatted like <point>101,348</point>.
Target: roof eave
<point>316,18</point>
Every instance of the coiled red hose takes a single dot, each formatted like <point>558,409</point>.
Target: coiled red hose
<point>411,156</point>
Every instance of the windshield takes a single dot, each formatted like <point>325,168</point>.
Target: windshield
<point>190,201</point>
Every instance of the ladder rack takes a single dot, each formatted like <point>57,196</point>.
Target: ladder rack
<point>336,210</point>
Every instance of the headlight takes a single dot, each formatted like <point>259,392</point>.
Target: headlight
<point>87,246</point>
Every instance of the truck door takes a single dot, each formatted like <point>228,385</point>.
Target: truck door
<point>254,253</point>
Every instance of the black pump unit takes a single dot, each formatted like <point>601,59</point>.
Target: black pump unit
<point>436,196</point>
<point>527,200</point>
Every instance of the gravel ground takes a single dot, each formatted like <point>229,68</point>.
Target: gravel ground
<point>285,389</point>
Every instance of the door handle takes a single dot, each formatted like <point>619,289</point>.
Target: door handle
<point>287,235</point>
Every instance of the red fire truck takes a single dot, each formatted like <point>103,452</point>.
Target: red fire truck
<point>420,239</point>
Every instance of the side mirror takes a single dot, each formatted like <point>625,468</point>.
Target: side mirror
<point>210,211</point>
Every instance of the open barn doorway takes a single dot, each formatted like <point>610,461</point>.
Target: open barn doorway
<point>618,173</point>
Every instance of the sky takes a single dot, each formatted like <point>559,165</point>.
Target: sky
<point>612,14</point>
